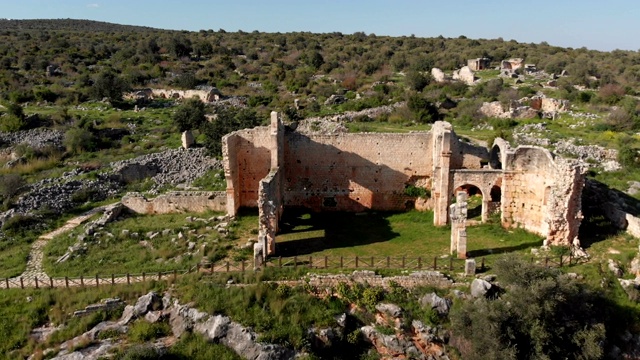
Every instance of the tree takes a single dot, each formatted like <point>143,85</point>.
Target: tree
<point>417,80</point>
<point>423,110</point>
<point>78,139</point>
<point>227,120</point>
<point>543,314</point>
<point>190,115</point>
<point>108,85</point>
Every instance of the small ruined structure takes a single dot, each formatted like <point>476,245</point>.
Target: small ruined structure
<point>458,214</point>
<point>272,168</point>
<point>479,64</point>
<point>511,64</point>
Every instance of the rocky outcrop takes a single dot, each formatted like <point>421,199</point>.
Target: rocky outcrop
<point>465,74</point>
<point>438,75</point>
<point>182,318</point>
<point>34,138</point>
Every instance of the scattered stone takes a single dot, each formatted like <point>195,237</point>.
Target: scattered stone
<point>441,305</point>
<point>480,288</point>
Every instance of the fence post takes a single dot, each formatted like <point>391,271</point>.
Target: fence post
<point>450,263</point>
<point>242,266</point>
<point>356,261</point>
<point>97,281</point>
<point>546,261</point>
<point>21,283</point>
<point>213,268</point>
<point>36,279</point>
<point>197,268</point>
<point>159,275</point>
<point>403,261</point>
<point>143,276</point>
<point>560,260</point>
<point>295,262</point>
<point>81,281</point>
<point>388,262</point>
<point>435,263</point>
<point>66,281</point>
<point>227,266</point>
<point>419,262</point>
<point>280,261</point>
<point>175,274</point>
<point>341,262</point>
<point>326,262</point>
<point>113,279</point>
<point>482,266</point>
<point>6,280</point>
<point>50,282</point>
<point>128,279</point>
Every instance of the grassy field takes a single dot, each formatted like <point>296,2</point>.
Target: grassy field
<point>390,234</point>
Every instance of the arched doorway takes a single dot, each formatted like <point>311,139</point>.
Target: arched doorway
<point>475,201</point>
<point>495,157</point>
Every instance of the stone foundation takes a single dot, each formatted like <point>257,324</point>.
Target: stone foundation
<point>177,202</point>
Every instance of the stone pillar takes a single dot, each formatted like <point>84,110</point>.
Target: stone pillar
<point>187,139</point>
<point>458,215</point>
<point>441,147</point>
<point>258,255</point>
<point>470,267</point>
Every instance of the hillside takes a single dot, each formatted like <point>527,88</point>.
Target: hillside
<point>92,114</point>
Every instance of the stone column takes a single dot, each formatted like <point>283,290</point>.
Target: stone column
<point>458,215</point>
<point>187,139</point>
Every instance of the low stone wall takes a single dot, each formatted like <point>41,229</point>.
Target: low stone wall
<point>176,202</point>
<point>366,277</point>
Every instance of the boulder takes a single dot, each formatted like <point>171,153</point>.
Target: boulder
<point>392,310</point>
<point>432,300</point>
<point>438,75</point>
<point>480,288</point>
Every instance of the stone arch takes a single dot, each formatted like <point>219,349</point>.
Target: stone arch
<point>498,153</point>
<point>482,208</point>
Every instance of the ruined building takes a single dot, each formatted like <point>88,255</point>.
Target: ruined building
<point>272,168</point>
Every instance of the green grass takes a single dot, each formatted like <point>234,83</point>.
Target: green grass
<point>13,257</point>
<point>390,234</point>
<point>120,254</point>
<point>23,310</point>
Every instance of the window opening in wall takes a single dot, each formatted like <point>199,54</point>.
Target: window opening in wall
<point>495,158</point>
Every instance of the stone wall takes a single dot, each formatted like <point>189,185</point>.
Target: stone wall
<point>203,95</point>
<point>542,194</point>
<point>176,202</point>
<point>247,160</point>
<point>353,172</point>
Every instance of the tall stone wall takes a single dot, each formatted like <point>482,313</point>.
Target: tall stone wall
<point>354,172</point>
<point>542,194</point>
<point>270,208</point>
<point>177,202</point>
<point>247,159</point>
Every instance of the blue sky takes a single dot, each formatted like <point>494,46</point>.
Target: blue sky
<point>595,24</point>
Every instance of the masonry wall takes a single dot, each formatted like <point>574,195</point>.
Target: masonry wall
<point>247,160</point>
<point>177,202</point>
<point>354,172</point>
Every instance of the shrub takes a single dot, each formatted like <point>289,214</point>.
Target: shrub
<point>77,140</point>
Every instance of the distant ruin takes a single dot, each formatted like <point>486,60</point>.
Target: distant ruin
<point>272,168</point>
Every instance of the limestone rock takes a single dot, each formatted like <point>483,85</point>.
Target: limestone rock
<point>441,305</point>
<point>187,139</point>
<point>392,310</point>
<point>480,288</point>
<point>614,267</point>
<point>438,75</point>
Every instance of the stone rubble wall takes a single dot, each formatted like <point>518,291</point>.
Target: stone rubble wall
<point>177,202</point>
<point>203,95</point>
<point>353,172</point>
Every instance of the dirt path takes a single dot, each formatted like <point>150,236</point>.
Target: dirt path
<point>36,255</point>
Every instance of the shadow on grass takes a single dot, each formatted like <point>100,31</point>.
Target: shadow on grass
<point>502,250</point>
<point>303,232</point>
<point>598,225</point>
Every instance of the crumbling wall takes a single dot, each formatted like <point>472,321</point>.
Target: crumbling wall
<point>542,194</point>
<point>354,172</point>
<point>467,156</point>
<point>247,159</point>
<point>177,202</point>
<point>270,208</point>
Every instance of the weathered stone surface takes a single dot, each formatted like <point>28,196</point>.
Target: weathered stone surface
<point>187,139</point>
<point>438,75</point>
<point>465,74</point>
<point>432,300</point>
<point>480,288</point>
<point>176,201</point>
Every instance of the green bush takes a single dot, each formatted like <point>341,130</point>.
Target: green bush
<point>77,140</point>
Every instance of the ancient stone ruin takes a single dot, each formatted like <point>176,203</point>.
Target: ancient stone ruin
<point>272,168</point>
